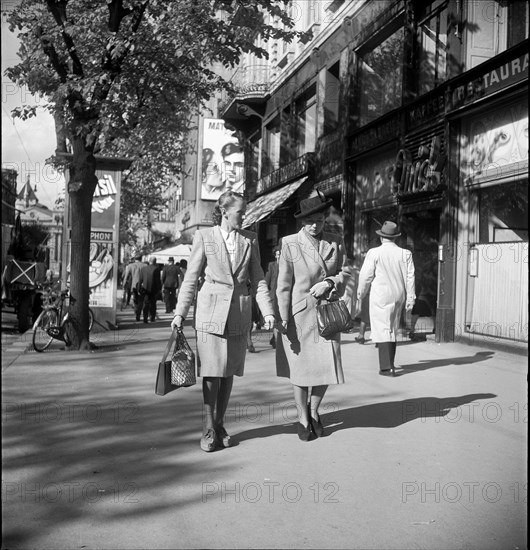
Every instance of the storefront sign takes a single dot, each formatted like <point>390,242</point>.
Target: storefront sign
<point>291,171</point>
<point>422,175</point>
<point>500,77</point>
<point>494,145</point>
<point>426,111</point>
<point>374,136</point>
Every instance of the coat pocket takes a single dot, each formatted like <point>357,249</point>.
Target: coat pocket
<point>204,319</point>
<point>299,306</point>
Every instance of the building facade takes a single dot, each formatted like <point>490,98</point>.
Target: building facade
<point>412,111</point>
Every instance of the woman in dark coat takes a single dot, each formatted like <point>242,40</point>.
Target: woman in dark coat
<point>312,264</point>
<point>230,261</point>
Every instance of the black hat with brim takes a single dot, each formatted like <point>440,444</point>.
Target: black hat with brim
<point>313,205</point>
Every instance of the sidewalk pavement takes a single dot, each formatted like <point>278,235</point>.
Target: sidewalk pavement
<point>434,458</point>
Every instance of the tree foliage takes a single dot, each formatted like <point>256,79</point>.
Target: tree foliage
<point>123,78</point>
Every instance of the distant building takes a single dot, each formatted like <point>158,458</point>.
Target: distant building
<point>9,195</point>
<point>33,212</point>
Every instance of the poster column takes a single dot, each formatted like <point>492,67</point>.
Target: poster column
<point>104,241</point>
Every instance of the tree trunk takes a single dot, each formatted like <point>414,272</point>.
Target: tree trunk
<point>81,188</point>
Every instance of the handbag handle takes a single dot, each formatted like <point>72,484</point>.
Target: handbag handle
<point>169,344</point>
<point>181,342</point>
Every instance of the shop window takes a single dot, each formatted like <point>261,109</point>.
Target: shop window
<point>306,122</point>
<point>331,98</point>
<point>492,26</point>
<point>518,22</point>
<point>381,76</point>
<point>287,139</point>
<point>503,213</point>
<point>270,159</point>
<point>432,45</point>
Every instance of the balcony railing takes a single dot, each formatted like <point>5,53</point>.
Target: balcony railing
<point>249,82</point>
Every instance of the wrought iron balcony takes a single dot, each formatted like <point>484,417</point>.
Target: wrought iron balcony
<point>249,82</point>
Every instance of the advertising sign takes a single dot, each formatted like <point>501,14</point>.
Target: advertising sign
<point>103,261</point>
<point>222,160</point>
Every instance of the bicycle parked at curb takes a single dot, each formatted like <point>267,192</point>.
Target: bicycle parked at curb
<point>51,323</point>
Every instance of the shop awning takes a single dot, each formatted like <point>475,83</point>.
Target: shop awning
<point>266,204</point>
<point>178,252</point>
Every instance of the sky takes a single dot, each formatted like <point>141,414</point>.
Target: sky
<point>26,144</point>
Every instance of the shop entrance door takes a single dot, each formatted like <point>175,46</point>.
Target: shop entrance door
<point>421,233</point>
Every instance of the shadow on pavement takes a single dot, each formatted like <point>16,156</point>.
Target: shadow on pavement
<point>379,415</point>
<point>426,364</point>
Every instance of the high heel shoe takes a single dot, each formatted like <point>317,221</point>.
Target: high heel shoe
<point>317,427</point>
<point>304,432</point>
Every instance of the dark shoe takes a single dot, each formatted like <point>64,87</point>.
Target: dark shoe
<point>137,317</point>
<point>153,319</point>
<point>223,439</point>
<point>317,427</point>
<point>251,349</point>
<point>272,342</point>
<point>208,441</point>
<point>304,432</point>
<point>388,372</point>
<point>360,339</point>
<point>146,321</point>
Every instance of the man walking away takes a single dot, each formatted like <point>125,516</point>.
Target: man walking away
<point>150,286</point>
<point>388,273</point>
<point>134,269</point>
<point>170,283</point>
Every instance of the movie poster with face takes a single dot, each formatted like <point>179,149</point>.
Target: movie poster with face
<point>222,161</point>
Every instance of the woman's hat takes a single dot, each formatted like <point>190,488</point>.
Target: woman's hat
<point>312,205</point>
<point>388,230</point>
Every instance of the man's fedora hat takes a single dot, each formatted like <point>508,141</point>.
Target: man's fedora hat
<point>171,259</point>
<point>388,230</point>
<point>312,205</point>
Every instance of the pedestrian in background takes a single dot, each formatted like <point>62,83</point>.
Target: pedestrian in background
<point>312,264</point>
<point>170,283</point>
<point>364,319</point>
<point>388,273</point>
<point>183,264</point>
<point>134,269</point>
<point>127,286</point>
<point>230,260</point>
<point>150,285</point>
<point>271,278</point>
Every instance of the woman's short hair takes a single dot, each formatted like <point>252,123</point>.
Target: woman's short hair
<point>224,201</point>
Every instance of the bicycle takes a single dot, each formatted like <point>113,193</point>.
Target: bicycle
<point>51,324</point>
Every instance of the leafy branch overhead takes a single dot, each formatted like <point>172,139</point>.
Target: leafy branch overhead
<point>124,77</point>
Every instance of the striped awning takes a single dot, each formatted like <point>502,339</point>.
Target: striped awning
<point>260,208</point>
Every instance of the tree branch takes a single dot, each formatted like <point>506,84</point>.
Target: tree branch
<point>50,51</point>
<point>58,9</point>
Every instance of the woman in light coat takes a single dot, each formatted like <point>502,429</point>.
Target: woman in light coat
<point>312,264</point>
<point>389,271</point>
<point>228,259</point>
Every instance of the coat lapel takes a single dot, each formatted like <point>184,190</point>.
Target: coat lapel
<point>309,251</point>
<point>223,257</point>
<point>242,245</point>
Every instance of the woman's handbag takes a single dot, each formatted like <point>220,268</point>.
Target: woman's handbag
<point>333,317</point>
<point>182,363</point>
<point>180,370</point>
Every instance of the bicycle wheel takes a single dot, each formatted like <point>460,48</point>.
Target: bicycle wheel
<point>41,339</point>
<point>90,319</point>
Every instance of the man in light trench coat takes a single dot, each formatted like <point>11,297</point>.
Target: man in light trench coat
<point>389,271</point>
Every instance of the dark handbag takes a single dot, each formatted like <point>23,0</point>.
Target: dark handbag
<point>165,367</point>
<point>333,317</point>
